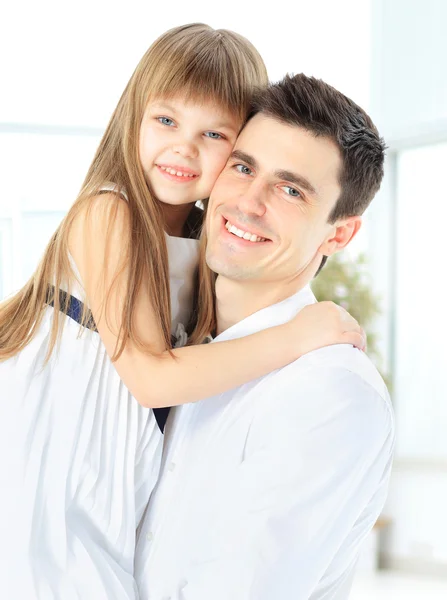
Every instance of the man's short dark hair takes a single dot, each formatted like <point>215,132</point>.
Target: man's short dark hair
<point>324,111</point>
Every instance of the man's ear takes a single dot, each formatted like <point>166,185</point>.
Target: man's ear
<point>342,233</point>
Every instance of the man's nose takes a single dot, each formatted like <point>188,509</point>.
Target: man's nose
<point>253,199</point>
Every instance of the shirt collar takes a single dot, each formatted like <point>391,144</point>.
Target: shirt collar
<point>276,314</point>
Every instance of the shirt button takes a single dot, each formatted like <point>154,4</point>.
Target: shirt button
<point>150,536</point>
<point>171,468</point>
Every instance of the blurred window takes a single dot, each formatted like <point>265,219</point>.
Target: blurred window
<point>420,355</point>
<point>42,177</point>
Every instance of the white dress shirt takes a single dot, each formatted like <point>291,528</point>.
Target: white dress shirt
<point>267,491</point>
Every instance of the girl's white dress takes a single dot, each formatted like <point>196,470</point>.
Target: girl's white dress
<point>79,458</point>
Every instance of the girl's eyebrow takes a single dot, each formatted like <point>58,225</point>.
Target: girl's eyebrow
<point>220,123</point>
<point>225,125</point>
<point>163,105</point>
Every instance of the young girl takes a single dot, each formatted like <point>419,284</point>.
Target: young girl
<point>86,345</point>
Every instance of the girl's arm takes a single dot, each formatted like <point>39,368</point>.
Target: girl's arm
<point>196,372</point>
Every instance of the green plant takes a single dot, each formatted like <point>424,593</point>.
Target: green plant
<point>347,283</point>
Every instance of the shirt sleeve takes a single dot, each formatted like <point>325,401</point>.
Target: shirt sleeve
<point>310,486</point>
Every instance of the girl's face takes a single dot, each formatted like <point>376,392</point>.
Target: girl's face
<point>184,146</point>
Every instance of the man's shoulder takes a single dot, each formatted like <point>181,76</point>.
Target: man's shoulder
<point>339,381</point>
<point>331,400</point>
<point>343,361</point>
<point>335,395</point>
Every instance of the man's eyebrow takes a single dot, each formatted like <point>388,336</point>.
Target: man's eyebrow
<point>244,157</point>
<point>289,176</point>
<point>297,180</point>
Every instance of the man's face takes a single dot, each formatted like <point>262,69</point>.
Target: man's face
<point>277,191</point>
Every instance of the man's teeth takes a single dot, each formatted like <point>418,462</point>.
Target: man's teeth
<point>178,173</point>
<point>246,235</point>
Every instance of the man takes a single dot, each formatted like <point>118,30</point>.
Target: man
<point>267,491</point>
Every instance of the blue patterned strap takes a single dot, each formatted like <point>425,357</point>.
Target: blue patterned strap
<point>74,307</point>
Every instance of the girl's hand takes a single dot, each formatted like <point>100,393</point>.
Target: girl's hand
<point>325,324</point>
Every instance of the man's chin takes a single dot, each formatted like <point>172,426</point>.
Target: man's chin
<point>233,272</point>
<point>231,268</point>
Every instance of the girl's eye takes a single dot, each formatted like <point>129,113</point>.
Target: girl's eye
<point>166,121</point>
<point>290,191</point>
<point>243,169</point>
<point>213,135</point>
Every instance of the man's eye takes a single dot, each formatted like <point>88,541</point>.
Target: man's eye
<point>291,191</point>
<point>213,135</point>
<point>243,169</point>
<point>166,121</point>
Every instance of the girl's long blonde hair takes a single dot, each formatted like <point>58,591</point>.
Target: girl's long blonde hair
<point>193,60</point>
